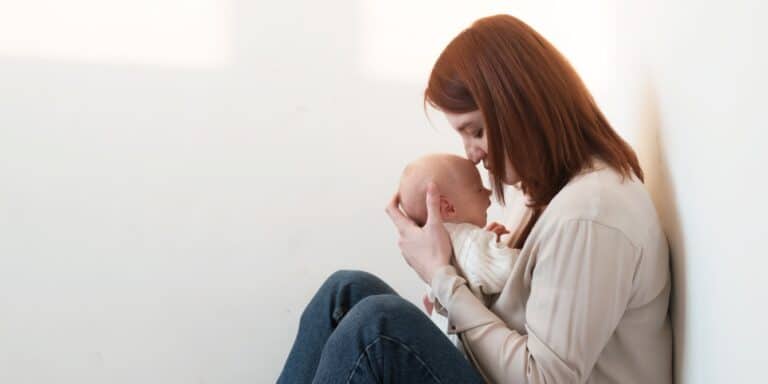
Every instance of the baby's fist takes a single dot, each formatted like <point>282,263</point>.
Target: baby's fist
<point>498,229</point>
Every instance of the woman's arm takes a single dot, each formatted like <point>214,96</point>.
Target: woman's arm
<point>580,287</point>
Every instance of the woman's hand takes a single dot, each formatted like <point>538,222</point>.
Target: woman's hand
<point>428,248</point>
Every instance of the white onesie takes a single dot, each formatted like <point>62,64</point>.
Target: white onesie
<point>484,262</point>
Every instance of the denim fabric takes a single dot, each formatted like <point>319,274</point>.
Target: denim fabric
<point>356,329</point>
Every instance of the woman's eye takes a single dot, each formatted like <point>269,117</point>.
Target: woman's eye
<point>478,134</point>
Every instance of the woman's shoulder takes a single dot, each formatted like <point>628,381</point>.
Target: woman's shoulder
<point>615,213</point>
<point>603,196</point>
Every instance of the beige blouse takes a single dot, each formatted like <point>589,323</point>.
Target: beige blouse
<point>587,299</point>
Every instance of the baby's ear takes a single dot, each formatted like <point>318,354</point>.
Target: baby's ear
<point>447,210</point>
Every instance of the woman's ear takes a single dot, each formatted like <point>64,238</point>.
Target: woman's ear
<point>447,209</point>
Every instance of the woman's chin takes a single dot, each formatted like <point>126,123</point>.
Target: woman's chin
<point>511,182</point>
<point>512,179</point>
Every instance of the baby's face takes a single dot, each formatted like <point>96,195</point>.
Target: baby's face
<point>464,198</point>
<point>470,198</point>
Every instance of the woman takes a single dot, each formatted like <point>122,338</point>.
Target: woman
<point>586,302</point>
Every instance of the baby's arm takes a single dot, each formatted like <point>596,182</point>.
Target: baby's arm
<point>485,262</point>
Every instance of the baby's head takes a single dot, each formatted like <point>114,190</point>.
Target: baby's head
<point>463,198</point>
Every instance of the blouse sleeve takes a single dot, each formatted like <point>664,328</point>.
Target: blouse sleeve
<point>581,285</point>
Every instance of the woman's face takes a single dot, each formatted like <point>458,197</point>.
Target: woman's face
<point>471,128</point>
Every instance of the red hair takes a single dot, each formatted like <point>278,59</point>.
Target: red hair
<point>538,114</point>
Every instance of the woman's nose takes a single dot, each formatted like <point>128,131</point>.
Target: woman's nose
<point>475,155</point>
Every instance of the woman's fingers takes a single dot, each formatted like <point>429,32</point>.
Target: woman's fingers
<point>427,249</point>
<point>401,221</point>
<point>433,204</point>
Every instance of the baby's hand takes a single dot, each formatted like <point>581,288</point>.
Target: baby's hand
<point>498,229</point>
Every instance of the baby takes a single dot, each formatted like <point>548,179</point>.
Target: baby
<point>479,255</point>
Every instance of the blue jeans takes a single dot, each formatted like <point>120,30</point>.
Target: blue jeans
<point>356,329</point>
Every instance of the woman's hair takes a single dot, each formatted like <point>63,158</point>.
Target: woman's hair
<point>537,111</point>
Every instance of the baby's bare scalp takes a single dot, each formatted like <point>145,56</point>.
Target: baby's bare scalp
<point>447,171</point>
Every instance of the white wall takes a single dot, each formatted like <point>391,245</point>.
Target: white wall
<point>694,78</point>
<point>177,176</point>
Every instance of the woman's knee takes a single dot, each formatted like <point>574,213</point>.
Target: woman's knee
<point>341,291</point>
<point>348,276</point>
<point>364,282</point>
<point>388,309</point>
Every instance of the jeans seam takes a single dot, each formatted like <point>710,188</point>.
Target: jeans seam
<point>398,342</point>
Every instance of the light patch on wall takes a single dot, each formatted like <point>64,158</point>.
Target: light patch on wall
<point>400,39</point>
<point>172,33</point>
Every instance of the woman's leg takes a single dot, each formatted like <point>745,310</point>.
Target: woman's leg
<point>386,339</point>
<point>340,292</point>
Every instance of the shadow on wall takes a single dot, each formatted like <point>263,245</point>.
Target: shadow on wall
<point>653,156</point>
